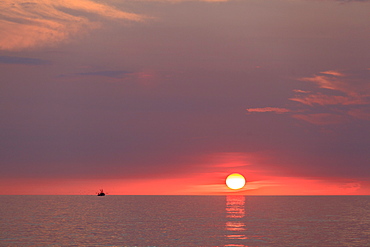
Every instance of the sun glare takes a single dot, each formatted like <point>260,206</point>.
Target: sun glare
<point>235,181</point>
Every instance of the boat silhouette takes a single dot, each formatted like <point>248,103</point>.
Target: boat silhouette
<point>101,193</point>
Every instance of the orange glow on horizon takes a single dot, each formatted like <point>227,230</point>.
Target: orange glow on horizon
<point>182,186</point>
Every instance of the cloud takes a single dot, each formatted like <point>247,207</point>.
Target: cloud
<point>300,91</point>
<point>23,60</point>
<point>322,99</point>
<point>343,92</point>
<point>35,23</point>
<point>332,72</point>
<point>269,109</point>
<point>352,93</point>
<point>332,82</point>
<point>336,97</point>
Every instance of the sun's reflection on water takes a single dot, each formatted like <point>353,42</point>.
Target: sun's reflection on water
<point>235,206</point>
<point>235,212</point>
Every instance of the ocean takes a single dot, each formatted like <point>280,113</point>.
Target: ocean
<point>185,220</point>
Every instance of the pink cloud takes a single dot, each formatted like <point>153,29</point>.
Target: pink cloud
<point>345,83</point>
<point>44,23</point>
<point>349,90</point>
<point>332,72</point>
<point>322,99</point>
<point>269,109</point>
<point>353,93</point>
<point>300,91</point>
<point>327,82</point>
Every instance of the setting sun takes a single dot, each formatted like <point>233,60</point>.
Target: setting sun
<point>235,181</point>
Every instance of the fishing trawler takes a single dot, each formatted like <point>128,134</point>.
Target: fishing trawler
<point>101,193</point>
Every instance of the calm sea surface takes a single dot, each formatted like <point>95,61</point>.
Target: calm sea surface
<point>184,221</point>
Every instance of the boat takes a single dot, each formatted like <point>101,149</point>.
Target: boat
<point>101,193</point>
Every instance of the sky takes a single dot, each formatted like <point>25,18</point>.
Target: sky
<point>168,97</point>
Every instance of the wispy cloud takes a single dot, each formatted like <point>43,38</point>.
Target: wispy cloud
<point>332,72</point>
<point>269,109</point>
<point>33,23</point>
<point>322,99</point>
<point>351,92</point>
<point>23,60</point>
<point>300,91</point>
<point>335,81</point>
<point>336,98</point>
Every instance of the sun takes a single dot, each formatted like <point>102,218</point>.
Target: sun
<point>235,181</point>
